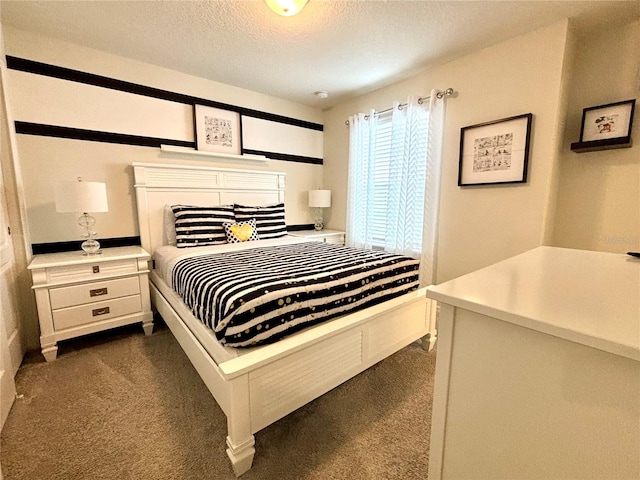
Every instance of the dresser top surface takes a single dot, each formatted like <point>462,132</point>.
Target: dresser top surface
<point>592,298</point>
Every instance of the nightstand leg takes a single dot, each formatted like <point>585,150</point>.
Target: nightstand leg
<point>147,323</point>
<point>50,352</point>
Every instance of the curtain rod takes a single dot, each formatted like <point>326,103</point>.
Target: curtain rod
<point>440,94</point>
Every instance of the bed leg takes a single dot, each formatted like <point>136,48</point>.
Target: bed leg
<point>240,439</point>
<point>241,455</point>
<point>428,342</point>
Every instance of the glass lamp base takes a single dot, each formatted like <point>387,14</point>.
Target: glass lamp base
<point>91,247</point>
<point>316,214</point>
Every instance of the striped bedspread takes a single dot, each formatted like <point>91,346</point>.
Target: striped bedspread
<point>259,295</point>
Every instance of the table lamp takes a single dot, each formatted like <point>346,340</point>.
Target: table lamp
<point>83,197</point>
<point>319,199</point>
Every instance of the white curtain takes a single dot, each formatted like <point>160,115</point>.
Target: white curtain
<point>411,187</point>
<point>406,179</point>
<point>435,135</point>
<point>362,141</point>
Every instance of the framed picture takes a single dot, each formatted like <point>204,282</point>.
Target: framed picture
<point>217,130</point>
<point>495,152</point>
<point>607,121</point>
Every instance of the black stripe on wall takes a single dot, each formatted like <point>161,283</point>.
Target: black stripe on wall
<point>299,228</point>
<point>63,73</point>
<point>55,247</point>
<point>286,157</point>
<point>27,128</point>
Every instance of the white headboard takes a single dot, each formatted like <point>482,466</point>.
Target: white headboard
<point>158,185</point>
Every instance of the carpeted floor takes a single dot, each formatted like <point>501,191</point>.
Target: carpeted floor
<point>119,405</point>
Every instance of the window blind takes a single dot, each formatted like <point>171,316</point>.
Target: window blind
<point>380,181</point>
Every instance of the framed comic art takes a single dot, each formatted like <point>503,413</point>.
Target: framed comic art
<point>606,127</point>
<point>607,121</point>
<point>495,152</point>
<point>217,130</point>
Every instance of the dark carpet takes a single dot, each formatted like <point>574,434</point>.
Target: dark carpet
<point>119,405</point>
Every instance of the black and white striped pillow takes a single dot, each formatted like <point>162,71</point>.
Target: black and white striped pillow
<point>269,219</point>
<point>198,226</point>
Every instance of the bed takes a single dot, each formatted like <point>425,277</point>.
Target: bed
<point>257,386</point>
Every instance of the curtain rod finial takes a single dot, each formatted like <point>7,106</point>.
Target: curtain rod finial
<point>447,93</point>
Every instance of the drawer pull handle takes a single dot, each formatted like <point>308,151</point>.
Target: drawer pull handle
<point>96,269</point>
<point>100,311</point>
<point>97,292</point>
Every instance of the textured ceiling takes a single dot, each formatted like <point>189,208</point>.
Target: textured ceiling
<point>344,47</point>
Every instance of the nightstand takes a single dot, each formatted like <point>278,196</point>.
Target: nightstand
<point>77,294</point>
<point>325,236</point>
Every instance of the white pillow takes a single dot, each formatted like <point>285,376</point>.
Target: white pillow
<point>168,227</point>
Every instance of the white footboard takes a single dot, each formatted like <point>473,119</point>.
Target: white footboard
<point>285,385</point>
<point>256,389</point>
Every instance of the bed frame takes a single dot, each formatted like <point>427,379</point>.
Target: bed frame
<point>260,387</point>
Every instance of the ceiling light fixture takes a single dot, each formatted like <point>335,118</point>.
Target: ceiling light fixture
<point>321,94</point>
<point>286,8</point>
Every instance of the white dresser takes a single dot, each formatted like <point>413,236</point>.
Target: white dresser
<point>325,236</point>
<point>78,294</point>
<point>538,371</point>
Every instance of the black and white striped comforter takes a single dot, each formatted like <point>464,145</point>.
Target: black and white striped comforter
<point>259,295</point>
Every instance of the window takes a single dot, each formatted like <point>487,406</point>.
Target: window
<point>390,181</point>
<point>394,180</point>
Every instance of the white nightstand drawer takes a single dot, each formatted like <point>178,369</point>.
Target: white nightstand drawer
<point>95,312</point>
<point>93,292</point>
<point>90,270</point>
<point>337,239</point>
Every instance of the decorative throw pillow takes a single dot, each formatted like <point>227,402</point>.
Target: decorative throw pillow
<point>168,226</point>
<point>269,219</point>
<point>241,231</point>
<point>198,226</point>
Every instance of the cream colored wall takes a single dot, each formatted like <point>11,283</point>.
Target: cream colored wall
<point>24,44</point>
<point>478,225</point>
<point>46,160</point>
<point>598,203</point>
<point>20,289</point>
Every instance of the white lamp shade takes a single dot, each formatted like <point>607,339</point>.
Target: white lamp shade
<point>320,198</point>
<point>81,197</point>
